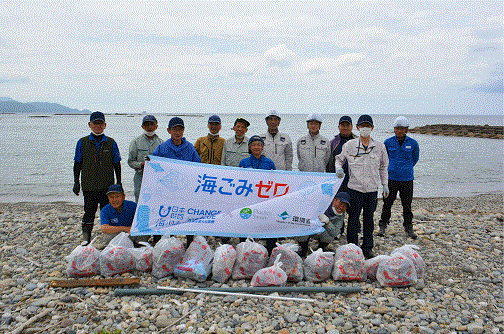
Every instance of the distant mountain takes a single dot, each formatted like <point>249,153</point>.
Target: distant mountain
<point>8,105</point>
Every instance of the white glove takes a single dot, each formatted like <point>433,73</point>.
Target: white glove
<point>340,173</point>
<point>324,219</point>
<point>386,191</point>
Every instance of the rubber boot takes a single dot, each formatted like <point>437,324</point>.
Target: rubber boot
<point>409,232</point>
<point>381,232</point>
<point>87,228</point>
<point>189,239</point>
<point>155,239</point>
<point>303,248</point>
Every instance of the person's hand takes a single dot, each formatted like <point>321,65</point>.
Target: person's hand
<point>76,188</point>
<point>324,219</point>
<point>386,191</point>
<point>340,172</point>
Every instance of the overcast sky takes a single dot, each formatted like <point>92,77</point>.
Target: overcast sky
<point>442,57</point>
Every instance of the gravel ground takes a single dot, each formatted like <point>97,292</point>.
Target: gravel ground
<point>460,240</point>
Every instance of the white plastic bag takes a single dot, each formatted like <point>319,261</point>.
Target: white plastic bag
<point>166,254</point>
<point>349,264</point>
<point>116,257</point>
<point>83,261</point>
<point>250,257</point>
<point>224,259</point>
<point>411,252</point>
<point>270,276</point>
<point>292,263</point>
<point>197,261</point>
<point>399,270</point>
<point>142,256</point>
<point>318,266</point>
<point>372,265</point>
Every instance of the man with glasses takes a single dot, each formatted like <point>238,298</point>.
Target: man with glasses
<point>97,157</point>
<point>403,154</point>
<point>367,165</point>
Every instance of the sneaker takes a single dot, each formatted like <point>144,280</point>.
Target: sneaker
<point>303,249</point>
<point>368,254</point>
<point>86,238</point>
<point>410,233</point>
<point>381,232</point>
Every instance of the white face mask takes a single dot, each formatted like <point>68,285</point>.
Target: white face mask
<point>336,212</point>
<point>365,132</point>
<point>149,133</point>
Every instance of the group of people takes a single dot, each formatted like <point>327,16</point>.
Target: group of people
<point>362,162</point>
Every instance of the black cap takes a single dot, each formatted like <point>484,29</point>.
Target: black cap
<point>243,120</point>
<point>343,197</point>
<point>175,121</point>
<point>365,119</point>
<point>115,188</point>
<point>214,119</point>
<point>149,118</point>
<point>97,116</point>
<point>255,138</point>
<point>345,119</point>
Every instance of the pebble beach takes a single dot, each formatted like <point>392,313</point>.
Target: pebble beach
<point>460,240</point>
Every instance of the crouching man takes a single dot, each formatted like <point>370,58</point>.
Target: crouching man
<point>117,216</point>
<point>333,218</point>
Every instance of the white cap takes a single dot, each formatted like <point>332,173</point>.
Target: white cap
<point>401,122</point>
<point>314,117</point>
<point>273,113</point>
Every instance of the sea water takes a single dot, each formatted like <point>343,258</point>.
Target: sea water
<point>36,153</point>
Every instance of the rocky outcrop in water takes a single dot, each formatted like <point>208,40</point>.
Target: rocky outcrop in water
<point>481,131</point>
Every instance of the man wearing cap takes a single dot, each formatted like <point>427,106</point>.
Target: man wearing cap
<point>210,147</point>
<point>313,149</point>
<point>367,167</point>
<point>333,220</point>
<point>140,148</point>
<point>96,158</point>
<point>345,134</point>
<point>177,147</point>
<point>277,145</point>
<point>403,153</point>
<point>117,216</point>
<point>236,148</point>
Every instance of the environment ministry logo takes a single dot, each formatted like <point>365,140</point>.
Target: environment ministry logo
<point>284,215</point>
<point>246,213</point>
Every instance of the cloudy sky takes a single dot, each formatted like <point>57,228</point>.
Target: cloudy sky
<point>401,57</point>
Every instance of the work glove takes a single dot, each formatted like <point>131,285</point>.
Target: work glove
<point>340,172</point>
<point>386,191</point>
<point>324,219</point>
<point>76,188</point>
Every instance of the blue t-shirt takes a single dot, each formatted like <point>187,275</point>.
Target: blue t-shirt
<point>261,163</point>
<point>110,216</point>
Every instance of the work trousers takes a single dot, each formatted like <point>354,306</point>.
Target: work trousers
<point>405,190</point>
<point>91,201</point>
<point>365,202</point>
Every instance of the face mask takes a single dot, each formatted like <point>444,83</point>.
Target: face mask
<point>149,133</point>
<point>214,134</point>
<point>336,212</point>
<point>365,132</point>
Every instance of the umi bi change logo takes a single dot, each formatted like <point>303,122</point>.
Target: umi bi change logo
<point>246,213</point>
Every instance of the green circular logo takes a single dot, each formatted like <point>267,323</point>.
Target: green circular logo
<point>246,213</point>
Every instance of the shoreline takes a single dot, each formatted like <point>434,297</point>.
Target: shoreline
<point>459,239</point>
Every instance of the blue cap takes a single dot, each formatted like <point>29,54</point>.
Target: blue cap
<point>149,118</point>
<point>255,138</point>
<point>345,119</point>
<point>97,116</point>
<point>214,119</point>
<point>175,121</point>
<point>343,197</point>
<point>365,119</point>
<point>115,188</point>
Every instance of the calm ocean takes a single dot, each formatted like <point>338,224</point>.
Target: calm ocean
<point>36,153</point>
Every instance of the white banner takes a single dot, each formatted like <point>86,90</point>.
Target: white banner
<point>187,198</point>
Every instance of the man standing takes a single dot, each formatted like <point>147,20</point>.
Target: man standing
<point>403,153</point>
<point>277,145</point>
<point>367,165</point>
<point>345,134</point>
<point>236,148</point>
<point>177,147</point>
<point>210,147</point>
<point>313,149</point>
<point>140,148</point>
<point>97,157</point>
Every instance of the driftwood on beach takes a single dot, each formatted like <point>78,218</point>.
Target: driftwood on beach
<point>481,131</point>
